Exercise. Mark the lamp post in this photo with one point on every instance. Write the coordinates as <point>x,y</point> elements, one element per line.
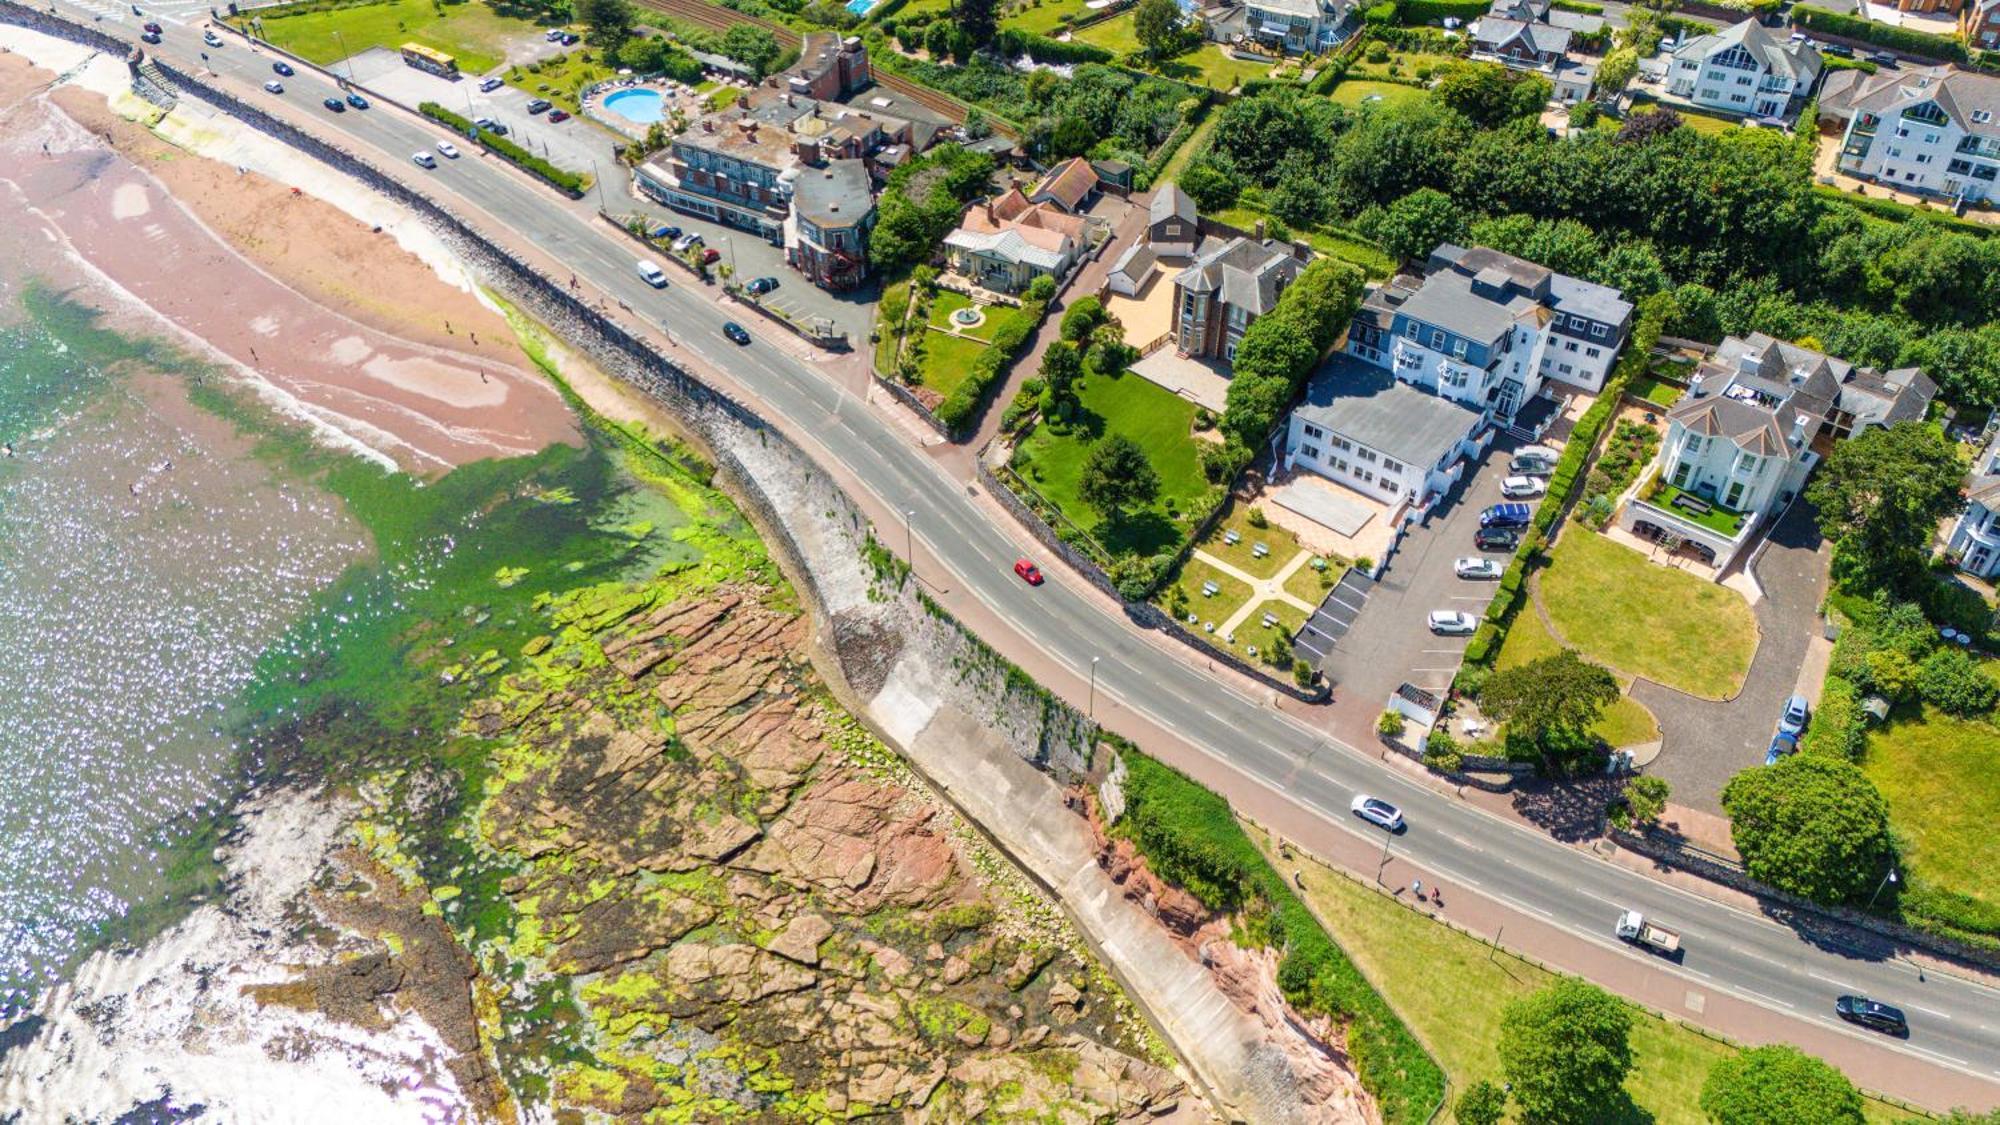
<point>1886,880</point>
<point>598,177</point>
<point>1091,710</point>
<point>1384,862</point>
<point>343,53</point>
<point>910,540</point>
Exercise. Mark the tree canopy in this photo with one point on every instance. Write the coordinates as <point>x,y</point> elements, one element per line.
<point>1549,706</point>
<point>1779,1085</point>
<point>1157,25</point>
<point>1117,477</point>
<point>1565,1051</point>
<point>1881,494</point>
<point>1414,225</point>
<point>605,22</point>
<point>1812,825</point>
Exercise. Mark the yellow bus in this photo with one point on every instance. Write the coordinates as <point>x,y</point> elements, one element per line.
<point>424,58</point>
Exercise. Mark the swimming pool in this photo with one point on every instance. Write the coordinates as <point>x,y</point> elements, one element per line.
<point>860,7</point>
<point>641,107</point>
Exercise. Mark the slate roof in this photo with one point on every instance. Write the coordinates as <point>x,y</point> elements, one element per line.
<point>1136,262</point>
<point>1543,39</point>
<point>1963,96</point>
<point>1367,405</point>
<point>1542,11</point>
<point>1170,202</point>
<point>1794,60</point>
<point>837,195</point>
<point>1752,389</point>
<point>1246,273</point>
<point>1067,183</point>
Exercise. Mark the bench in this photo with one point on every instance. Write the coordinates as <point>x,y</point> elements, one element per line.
<point>1232,537</point>
<point>1259,550</point>
<point>1693,505</point>
<point>1209,589</point>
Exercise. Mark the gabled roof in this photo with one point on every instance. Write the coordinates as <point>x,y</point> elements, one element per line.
<point>1793,60</point>
<point>1753,390</point>
<point>1067,183</point>
<point>1013,245</point>
<point>1170,202</point>
<point>1481,293</point>
<point>1016,229</point>
<point>1135,263</point>
<point>1964,96</point>
<point>1495,34</point>
<point>1245,273</point>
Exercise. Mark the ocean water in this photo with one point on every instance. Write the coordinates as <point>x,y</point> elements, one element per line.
<point>146,559</point>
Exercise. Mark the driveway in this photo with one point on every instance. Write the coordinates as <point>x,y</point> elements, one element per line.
<point>1705,742</point>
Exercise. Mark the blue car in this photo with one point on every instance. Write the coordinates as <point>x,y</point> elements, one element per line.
<point>1506,515</point>
<point>357,101</point>
<point>1781,745</point>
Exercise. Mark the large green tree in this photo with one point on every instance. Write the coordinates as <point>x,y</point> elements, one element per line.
<point>1881,494</point>
<point>1491,94</point>
<point>979,21</point>
<point>1117,477</point>
<point>1483,1103</point>
<point>1157,24</point>
<point>1549,706</point>
<point>1779,1085</point>
<point>606,22</point>
<point>1812,825</point>
<point>1414,225</point>
<point>751,45</point>
<point>1565,1052</point>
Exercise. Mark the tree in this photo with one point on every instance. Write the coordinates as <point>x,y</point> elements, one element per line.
<point>1646,797</point>
<point>1490,94</point>
<point>1117,477</point>
<point>1549,706</point>
<point>1642,127</point>
<point>1157,25</point>
<point>1812,825</point>
<point>1483,1103</point>
<point>606,22</point>
<point>1779,1085</point>
<point>1211,187</point>
<point>1880,497</point>
<point>978,21</point>
<point>1414,225</point>
<point>753,46</point>
<point>642,53</point>
<point>1954,683</point>
<point>1081,318</point>
<point>1564,1050</point>
<point>938,40</point>
<point>1062,364</point>
<point>1616,70</point>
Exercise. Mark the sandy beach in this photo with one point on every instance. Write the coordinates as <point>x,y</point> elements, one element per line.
<point>328,319</point>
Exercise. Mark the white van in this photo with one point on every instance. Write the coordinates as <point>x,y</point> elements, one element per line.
<point>653,274</point>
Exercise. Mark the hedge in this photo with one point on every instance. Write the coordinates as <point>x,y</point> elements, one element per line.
<point>1838,727</point>
<point>1868,31</point>
<point>1013,42</point>
<point>1423,12</point>
<point>963,402</point>
<point>1578,6</point>
<point>1191,839</point>
<point>1903,212</point>
<point>507,150</point>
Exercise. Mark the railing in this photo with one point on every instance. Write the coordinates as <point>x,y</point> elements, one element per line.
<point>1156,344</point>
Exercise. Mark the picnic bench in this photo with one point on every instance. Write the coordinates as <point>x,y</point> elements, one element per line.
<point>1692,504</point>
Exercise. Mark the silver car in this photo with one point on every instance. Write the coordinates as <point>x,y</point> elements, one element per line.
<point>1453,622</point>
<point>1472,566</point>
<point>1377,811</point>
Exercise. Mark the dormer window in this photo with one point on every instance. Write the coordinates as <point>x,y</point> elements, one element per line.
<point>1981,117</point>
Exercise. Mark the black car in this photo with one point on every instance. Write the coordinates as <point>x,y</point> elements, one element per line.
<point>762,285</point>
<point>1872,1014</point>
<point>357,101</point>
<point>334,104</point>
<point>151,37</point>
<point>1497,539</point>
<point>735,332</point>
<point>537,106</point>
<point>283,68</point>
<point>1882,58</point>
<point>569,39</point>
<point>1840,50</point>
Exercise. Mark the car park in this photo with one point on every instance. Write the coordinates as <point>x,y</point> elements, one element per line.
<point>1472,566</point>
<point>1452,622</point>
<point>274,87</point>
<point>1376,811</point>
<point>425,160</point>
<point>735,332</point>
<point>666,232</point>
<point>283,68</point>
<point>1496,539</point>
<point>448,150</point>
<point>334,104</point>
<point>537,106</point>
<point>1522,488</point>
<point>1797,711</point>
<point>1506,515</point>
<point>489,85</point>
<point>1029,572</point>
<point>357,101</point>
<point>1872,1014</point>
<point>209,38</point>
<point>558,115</point>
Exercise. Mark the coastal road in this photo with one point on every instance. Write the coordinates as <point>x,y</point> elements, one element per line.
<point>1262,754</point>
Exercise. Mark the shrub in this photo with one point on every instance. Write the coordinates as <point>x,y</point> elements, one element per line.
<point>1391,724</point>
<point>1041,289</point>
<point>507,150</point>
<point>1478,650</point>
<point>1838,727</point>
<point>1303,673</point>
<point>1954,683</point>
<point>1886,35</point>
<point>1443,753</point>
<point>1082,318</point>
<point>1256,518</point>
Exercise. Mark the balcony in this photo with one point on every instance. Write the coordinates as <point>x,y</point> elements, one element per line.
<point>1683,506</point>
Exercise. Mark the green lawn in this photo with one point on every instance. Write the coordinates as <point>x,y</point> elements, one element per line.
<point>1371,259</point>
<point>1114,35</point>
<point>1160,421</point>
<point>1625,723</point>
<point>1648,620</point>
<point>1215,68</point>
<point>1652,390</point>
<point>1937,774</point>
<point>1361,91</point>
<point>1717,518</point>
<point>947,360</point>
<point>1311,585</point>
<point>1043,17</point>
<point>1253,631</point>
<point>560,79</point>
<point>1229,596</point>
<point>1450,989</point>
<point>474,34</point>
<point>1190,148</point>
<point>1283,544</point>
<point>1407,65</point>
<point>997,316</point>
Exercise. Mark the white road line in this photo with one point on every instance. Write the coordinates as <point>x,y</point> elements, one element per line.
<point>1518,905</point>
<point>1766,999</point>
<point>1699,973</point>
<point>1827,979</point>
<point>1940,1056</point>
<point>1928,1011</point>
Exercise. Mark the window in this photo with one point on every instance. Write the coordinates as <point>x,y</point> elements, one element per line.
<point>1570,344</point>
<point>1564,368</point>
<point>1309,452</point>
<point>1367,455</point>
<point>1313,431</point>
<point>1681,474</point>
<point>1437,339</point>
<point>1735,496</point>
<point>1593,352</point>
<point>1365,475</point>
<point>1740,99</point>
<point>1340,443</point>
<point>1923,158</point>
<point>1930,138</point>
<point>1389,466</point>
<point>1598,330</point>
<point>1980,116</point>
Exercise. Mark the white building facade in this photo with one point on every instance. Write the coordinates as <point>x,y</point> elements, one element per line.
<point>1744,69</point>
<point>1934,130</point>
<point>1975,539</point>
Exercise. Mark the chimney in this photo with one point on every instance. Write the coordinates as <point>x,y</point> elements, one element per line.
<point>1259,230</point>
<point>1302,250</point>
<point>989,211</point>
<point>1749,362</point>
<point>1695,388</point>
<point>1799,423</point>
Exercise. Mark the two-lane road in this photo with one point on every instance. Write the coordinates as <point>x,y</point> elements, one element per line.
<point>1955,1022</point>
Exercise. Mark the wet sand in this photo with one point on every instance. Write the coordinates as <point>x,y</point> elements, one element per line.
<point>338,323</point>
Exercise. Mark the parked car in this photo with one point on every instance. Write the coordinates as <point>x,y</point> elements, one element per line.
<point>666,232</point>
<point>555,35</point>
<point>150,37</point>
<point>537,106</point>
<point>1840,49</point>
<point>735,333</point>
<point>1452,622</point>
<point>209,37</point>
<point>1782,745</point>
<point>1796,713</point>
<point>569,39</point>
<point>334,104</point>
<point>684,242</point>
<point>1524,465</point>
<point>490,126</point>
<point>1496,539</point>
<point>1522,487</point>
<point>283,68</point>
<point>492,84</point>
<point>1472,566</point>
<point>1506,515</point>
<point>558,115</point>
<point>274,87</point>
<point>156,29</point>
<point>1376,811</point>
<point>1882,58</point>
<point>1872,1014</point>
<point>447,149</point>
<point>710,256</point>
<point>425,159</point>
<point>1029,572</point>
<point>762,285</point>
<point>357,101</point>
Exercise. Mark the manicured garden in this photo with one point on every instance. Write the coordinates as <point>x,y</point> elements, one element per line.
<point>1371,259</point>
<point>1043,17</point>
<point>1658,392</point>
<point>1624,723</point>
<point>1357,92</point>
<point>563,78</point>
<point>1450,989</point>
<point>475,34</point>
<point>1185,596</point>
<point>929,350</point>
<point>1936,772</point>
<point>1715,517</point>
<point>1642,619</point>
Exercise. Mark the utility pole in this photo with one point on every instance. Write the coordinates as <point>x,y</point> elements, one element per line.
<point>910,540</point>
<point>1091,711</point>
<point>338,38</point>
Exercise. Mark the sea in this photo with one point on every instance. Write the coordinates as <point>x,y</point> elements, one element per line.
<point>147,556</point>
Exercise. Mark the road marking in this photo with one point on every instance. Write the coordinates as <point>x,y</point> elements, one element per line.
<point>1827,979</point>
<point>1766,999</point>
<point>1699,973</point>
<point>1444,651</point>
<point>1941,1056</point>
<point>1928,1011</point>
<point>1519,905</point>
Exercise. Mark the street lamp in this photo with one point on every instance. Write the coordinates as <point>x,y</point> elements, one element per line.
<point>599,177</point>
<point>1886,880</point>
<point>910,540</point>
<point>1091,711</point>
<point>350,58</point>
<point>1386,837</point>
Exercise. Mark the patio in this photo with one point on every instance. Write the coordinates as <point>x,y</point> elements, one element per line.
<point>1148,317</point>
<point>1203,382</point>
<point>1328,518</point>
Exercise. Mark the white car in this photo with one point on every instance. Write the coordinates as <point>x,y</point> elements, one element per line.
<point>274,87</point>
<point>425,160</point>
<point>1452,622</point>
<point>1472,566</point>
<point>210,38</point>
<point>686,242</point>
<point>448,150</point>
<point>1377,811</point>
<point>1521,488</point>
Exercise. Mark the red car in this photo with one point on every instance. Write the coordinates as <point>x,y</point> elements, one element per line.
<point>558,115</point>
<point>711,255</point>
<point>1028,572</point>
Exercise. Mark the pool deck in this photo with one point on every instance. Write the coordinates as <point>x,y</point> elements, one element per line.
<point>674,97</point>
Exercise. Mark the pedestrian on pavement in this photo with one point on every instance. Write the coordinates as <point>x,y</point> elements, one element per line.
<point>1417,885</point>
